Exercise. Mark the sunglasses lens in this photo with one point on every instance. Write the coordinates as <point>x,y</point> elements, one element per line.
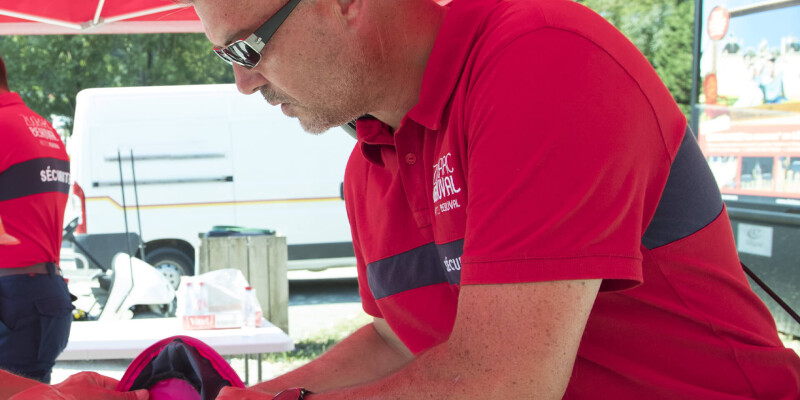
<point>239,52</point>
<point>222,55</point>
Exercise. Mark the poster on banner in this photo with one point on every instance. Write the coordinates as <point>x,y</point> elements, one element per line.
<point>749,100</point>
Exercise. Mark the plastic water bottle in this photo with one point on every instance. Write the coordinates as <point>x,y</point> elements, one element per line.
<point>187,300</point>
<point>202,299</point>
<point>249,309</point>
<point>257,312</point>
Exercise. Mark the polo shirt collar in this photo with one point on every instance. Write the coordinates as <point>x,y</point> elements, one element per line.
<point>372,134</point>
<point>450,51</point>
<point>10,98</point>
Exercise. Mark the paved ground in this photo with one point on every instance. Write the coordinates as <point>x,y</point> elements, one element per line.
<point>317,301</point>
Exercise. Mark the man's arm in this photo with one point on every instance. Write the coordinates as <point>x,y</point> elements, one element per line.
<point>509,341</point>
<point>371,353</point>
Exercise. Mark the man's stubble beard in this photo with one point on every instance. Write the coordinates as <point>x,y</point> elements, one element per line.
<point>342,98</point>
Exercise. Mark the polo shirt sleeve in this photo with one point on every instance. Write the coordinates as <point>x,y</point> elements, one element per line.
<point>368,302</point>
<point>565,164</point>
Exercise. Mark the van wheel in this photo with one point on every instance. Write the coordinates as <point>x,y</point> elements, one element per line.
<point>171,263</point>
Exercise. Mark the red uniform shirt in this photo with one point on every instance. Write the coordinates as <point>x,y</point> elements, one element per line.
<point>545,147</point>
<point>34,182</point>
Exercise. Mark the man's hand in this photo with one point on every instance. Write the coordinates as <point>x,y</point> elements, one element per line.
<point>81,386</point>
<point>232,393</point>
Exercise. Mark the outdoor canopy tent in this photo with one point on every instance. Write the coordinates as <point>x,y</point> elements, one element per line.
<point>73,17</point>
<point>60,17</point>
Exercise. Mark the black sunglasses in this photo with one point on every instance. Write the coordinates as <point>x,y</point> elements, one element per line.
<point>247,52</point>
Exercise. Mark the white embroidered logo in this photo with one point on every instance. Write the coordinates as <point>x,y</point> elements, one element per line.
<point>40,128</point>
<point>443,185</point>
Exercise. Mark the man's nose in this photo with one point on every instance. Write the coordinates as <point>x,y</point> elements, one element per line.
<point>248,80</point>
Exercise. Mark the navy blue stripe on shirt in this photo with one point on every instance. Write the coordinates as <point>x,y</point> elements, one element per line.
<point>691,198</point>
<point>426,265</point>
<point>450,257</point>
<point>39,175</point>
<point>409,270</point>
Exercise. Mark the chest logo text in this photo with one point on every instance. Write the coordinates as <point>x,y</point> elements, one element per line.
<point>443,185</point>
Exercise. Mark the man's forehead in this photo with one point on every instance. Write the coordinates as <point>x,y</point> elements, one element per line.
<point>225,21</point>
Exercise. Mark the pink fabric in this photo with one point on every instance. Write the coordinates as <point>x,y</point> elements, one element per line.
<point>139,363</point>
<point>173,389</point>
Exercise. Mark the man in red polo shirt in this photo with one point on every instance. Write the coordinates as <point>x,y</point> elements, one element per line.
<point>531,215</point>
<point>35,306</point>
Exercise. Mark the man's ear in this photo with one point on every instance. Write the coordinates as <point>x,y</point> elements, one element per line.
<point>350,10</point>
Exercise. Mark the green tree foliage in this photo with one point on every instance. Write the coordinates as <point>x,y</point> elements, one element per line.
<point>49,71</point>
<point>663,31</point>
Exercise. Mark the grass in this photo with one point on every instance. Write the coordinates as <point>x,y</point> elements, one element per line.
<point>315,344</point>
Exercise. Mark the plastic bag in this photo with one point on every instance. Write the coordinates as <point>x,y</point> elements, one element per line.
<point>224,295</point>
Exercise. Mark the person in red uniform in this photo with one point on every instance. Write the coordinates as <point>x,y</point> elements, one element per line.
<point>531,215</point>
<point>35,306</point>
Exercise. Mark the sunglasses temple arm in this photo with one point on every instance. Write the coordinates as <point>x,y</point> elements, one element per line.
<point>269,29</point>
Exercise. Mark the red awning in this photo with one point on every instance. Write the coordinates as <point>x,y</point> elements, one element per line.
<point>50,17</point>
<point>73,17</point>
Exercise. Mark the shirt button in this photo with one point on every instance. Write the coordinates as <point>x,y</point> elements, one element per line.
<point>411,158</point>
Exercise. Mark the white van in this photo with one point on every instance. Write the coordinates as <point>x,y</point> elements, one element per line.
<point>204,156</point>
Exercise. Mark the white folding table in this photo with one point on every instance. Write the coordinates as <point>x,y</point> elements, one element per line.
<point>104,340</point>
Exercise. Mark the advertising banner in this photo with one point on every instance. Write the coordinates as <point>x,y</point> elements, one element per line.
<point>749,100</point>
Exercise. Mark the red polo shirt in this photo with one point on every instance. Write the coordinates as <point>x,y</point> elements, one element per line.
<point>545,147</point>
<point>34,182</point>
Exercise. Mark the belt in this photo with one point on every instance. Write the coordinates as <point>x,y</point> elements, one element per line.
<point>40,268</point>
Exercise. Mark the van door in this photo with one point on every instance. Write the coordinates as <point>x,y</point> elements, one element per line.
<point>181,155</point>
<point>289,181</point>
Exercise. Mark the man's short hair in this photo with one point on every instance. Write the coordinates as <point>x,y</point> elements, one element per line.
<point>3,77</point>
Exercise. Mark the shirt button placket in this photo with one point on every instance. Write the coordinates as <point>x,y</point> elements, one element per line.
<point>408,142</point>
